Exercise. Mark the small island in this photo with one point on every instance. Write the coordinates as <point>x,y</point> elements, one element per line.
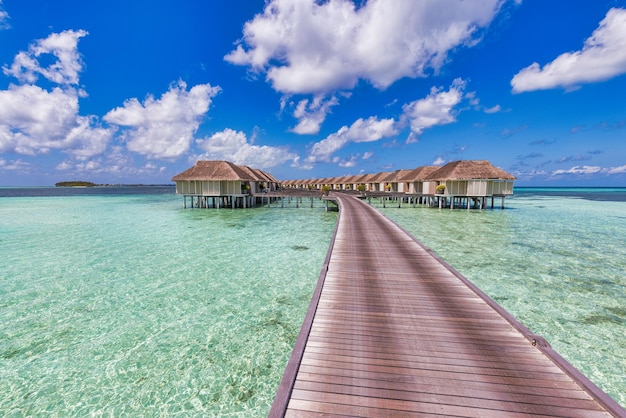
<point>75,184</point>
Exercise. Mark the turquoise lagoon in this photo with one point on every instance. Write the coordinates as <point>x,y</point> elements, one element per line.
<point>128,305</point>
<point>118,302</point>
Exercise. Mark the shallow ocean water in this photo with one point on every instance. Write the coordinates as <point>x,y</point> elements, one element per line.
<point>126,304</point>
<point>129,305</point>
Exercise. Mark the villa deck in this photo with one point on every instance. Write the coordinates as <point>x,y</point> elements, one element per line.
<point>392,330</point>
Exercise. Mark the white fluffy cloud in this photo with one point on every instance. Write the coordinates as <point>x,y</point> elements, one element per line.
<point>34,120</point>
<point>494,109</point>
<point>585,169</point>
<point>312,113</point>
<point>4,16</point>
<point>234,146</point>
<point>164,127</point>
<point>438,108</point>
<point>116,163</point>
<point>617,170</point>
<point>64,70</point>
<point>602,57</point>
<point>362,130</point>
<point>312,47</point>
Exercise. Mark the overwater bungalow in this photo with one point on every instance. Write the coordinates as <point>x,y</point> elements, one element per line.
<point>357,180</point>
<point>393,182</point>
<point>376,183</point>
<point>415,180</point>
<point>221,184</point>
<point>470,181</point>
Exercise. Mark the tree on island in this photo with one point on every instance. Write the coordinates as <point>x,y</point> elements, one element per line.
<point>75,184</point>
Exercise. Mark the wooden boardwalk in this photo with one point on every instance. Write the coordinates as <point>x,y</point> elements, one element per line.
<point>393,331</point>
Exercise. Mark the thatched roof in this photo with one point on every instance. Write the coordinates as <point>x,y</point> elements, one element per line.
<point>368,178</point>
<point>420,173</point>
<point>359,178</point>
<point>215,171</point>
<point>259,175</point>
<point>396,176</point>
<point>379,177</point>
<point>469,170</point>
<point>270,178</point>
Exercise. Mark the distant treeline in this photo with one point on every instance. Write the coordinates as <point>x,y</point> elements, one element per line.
<point>90,184</point>
<point>75,184</point>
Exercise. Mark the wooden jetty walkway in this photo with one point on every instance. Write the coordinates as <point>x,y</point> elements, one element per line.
<point>393,331</point>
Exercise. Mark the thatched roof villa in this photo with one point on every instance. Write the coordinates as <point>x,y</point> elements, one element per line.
<point>416,180</point>
<point>222,183</point>
<point>472,179</point>
<point>464,183</point>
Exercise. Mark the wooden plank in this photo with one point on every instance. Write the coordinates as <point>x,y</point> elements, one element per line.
<point>395,331</point>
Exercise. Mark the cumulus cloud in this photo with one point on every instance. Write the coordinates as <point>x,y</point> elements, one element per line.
<point>312,113</point>
<point>602,57</point>
<point>438,108</point>
<point>116,163</point>
<point>15,165</point>
<point>164,127</point>
<point>617,170</point>
<point>312,47</point>
<point>233,146</point>
<point>579,170</point>
<point>362,130</point>
<point>65,69</point>
<point>34,120</point>
<point>4,17</point>
<point>494,109</point>
<point>317,48</point>
<point>588,170</point>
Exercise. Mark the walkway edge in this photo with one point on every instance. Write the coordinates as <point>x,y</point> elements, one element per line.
<point>284,393</point>
<point>281,400</point>
<point>544,346</point>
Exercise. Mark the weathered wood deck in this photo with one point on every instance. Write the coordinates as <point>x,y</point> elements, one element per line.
<point>392,330</point>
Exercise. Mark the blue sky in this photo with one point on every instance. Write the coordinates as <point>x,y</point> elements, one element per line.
<point>138,91</point>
